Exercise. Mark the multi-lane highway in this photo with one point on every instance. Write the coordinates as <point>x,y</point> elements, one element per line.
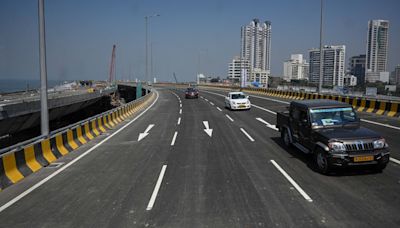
<point>193,163</point>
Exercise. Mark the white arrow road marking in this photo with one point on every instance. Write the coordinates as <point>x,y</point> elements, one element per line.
<point>247,134</point>
<point>268,124</point>
<point>145,133</point>
<point>207,130</point>
<point>229,117</point>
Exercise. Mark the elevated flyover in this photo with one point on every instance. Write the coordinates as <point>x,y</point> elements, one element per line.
<point>193,163</point>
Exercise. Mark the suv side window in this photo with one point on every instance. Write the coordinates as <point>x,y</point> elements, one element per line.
<point>295,113</point>
<point>303,115</point>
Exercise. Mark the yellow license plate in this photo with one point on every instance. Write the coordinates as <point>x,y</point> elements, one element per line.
<point>242,106</point>
<point>363,158</point>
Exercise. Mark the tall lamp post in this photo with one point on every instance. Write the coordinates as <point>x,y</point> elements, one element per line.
<point>321,53</point>
<point>44,112</point>
<point>146,20</point>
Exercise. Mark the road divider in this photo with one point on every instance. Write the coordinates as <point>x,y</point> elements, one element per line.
<point>28,157</point>
<point>285,102</point>
<point>380,107</point>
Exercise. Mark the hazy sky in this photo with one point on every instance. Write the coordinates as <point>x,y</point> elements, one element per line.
<point>187,36</point>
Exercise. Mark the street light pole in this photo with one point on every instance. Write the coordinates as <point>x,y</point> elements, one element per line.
<point>146,21</point>
<point>321,53</point>
<point>44,112</point>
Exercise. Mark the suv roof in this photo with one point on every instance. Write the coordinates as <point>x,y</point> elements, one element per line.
<point>320,103</point>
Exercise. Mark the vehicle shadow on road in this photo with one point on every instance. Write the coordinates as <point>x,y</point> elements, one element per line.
<point>309,160</point>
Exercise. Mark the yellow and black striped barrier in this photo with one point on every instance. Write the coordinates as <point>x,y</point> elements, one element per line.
<point>19,163</point>
<point>379,107</point>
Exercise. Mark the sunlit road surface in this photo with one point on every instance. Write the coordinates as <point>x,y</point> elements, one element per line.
<point>193,163</point>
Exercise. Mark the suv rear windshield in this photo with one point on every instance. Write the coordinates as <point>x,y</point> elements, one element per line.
<point>332,116</point>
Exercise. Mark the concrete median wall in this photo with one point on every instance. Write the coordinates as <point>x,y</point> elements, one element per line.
<point>26,159</point>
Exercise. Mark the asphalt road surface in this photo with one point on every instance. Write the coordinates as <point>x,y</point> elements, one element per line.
<point>198,164</point>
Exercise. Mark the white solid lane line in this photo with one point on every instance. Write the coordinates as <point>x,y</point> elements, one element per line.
<point>295,185</point>
<point>174,138</point>
<point>229,117</point>
<point>264,109</point>
<point>247,134</point>
<point>219,109</point>
<point>156,188</point>
<point>179,120</point>
<point>380,124</point>
<point>268,124</point>
<point>26,192</point>
<point>395,160</point>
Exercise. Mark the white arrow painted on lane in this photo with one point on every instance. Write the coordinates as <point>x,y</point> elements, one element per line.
<point>145,133</point>
<point>207,130</point>
<point>266,123</point>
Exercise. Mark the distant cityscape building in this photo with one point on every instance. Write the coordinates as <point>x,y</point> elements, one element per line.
<point>396,75</point>
<point>377,49</point>
<point>296,68</point>
<point>357,67</point>
<point>235,68</point>
<point>256,49</point>
<point>350,80</point>
<point>333,67</point>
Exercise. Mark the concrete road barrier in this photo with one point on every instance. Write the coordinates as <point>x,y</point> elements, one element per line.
<point>20,162</point>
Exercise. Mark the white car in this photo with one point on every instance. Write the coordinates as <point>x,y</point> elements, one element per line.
<point>237,100</point>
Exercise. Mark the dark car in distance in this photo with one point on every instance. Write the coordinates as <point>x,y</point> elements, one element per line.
<point>331,131</point>
<point>191,93</point>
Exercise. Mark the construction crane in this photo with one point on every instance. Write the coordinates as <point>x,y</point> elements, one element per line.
<point>111,76</point>
<point>176,80</point>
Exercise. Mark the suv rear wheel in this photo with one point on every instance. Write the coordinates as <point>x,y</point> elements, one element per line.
<point>285,137</point>
<point>321,161</point>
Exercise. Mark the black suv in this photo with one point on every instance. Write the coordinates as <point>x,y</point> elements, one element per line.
<point>331,131</point>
